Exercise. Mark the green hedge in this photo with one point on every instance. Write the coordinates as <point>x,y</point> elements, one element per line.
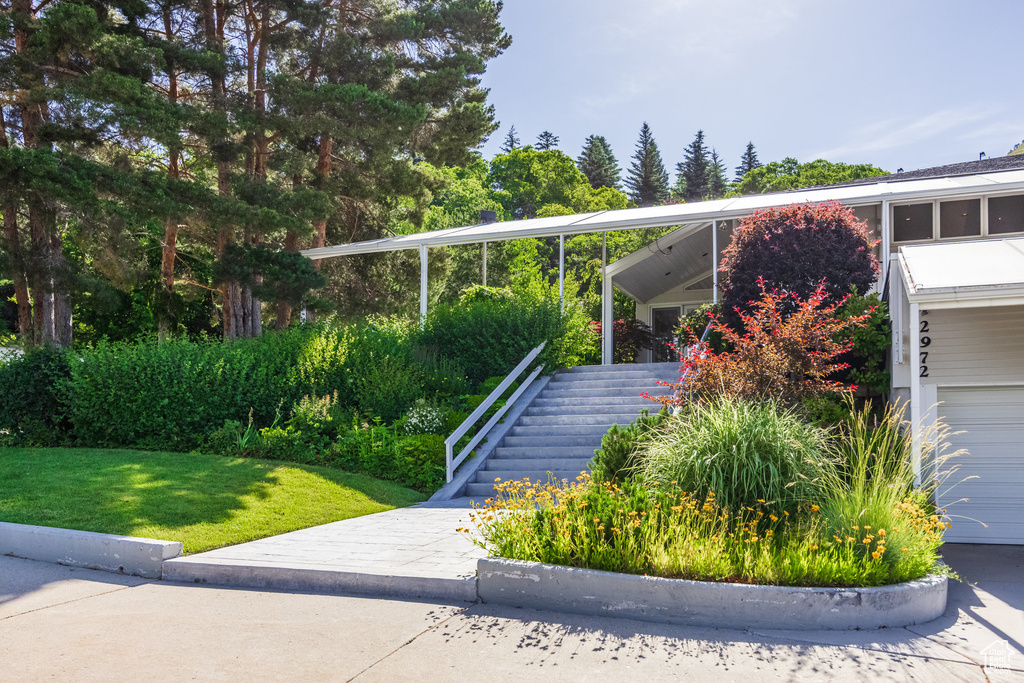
<point>489,330</point>
<point>32,405</point>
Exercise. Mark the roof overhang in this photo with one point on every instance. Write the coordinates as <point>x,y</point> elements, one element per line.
<point>683,214</point>
<point>964,274</point>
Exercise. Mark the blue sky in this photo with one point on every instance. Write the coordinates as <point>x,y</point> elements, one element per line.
<point>897,83</point>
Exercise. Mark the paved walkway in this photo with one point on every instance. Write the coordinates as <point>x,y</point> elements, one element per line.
<point>411,552</point>
<point>60,623</point>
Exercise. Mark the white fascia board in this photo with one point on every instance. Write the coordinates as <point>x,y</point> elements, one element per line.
<point>970,297</point>
<point>679,214</point>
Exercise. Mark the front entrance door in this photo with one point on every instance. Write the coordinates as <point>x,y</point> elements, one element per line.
<point>664,322</point>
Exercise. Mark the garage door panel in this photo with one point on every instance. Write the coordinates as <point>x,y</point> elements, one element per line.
<point>992,422</point>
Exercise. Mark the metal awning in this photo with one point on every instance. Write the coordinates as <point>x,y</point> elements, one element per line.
<point>680,214</point>
<point>964,274</point>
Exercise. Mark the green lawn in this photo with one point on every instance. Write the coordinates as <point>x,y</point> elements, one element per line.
<point>204,501</point>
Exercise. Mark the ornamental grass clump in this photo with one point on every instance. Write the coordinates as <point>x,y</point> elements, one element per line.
<point>743,452</point>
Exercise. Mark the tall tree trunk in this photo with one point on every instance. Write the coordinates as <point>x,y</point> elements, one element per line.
<point>169,251</point>
<point>323,172</point>
<point>17,274</point>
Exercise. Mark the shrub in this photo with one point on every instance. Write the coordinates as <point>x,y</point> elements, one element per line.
<point>741,452</point>
<point>795,249</point>
<point>783,359</point>
<point>617,456</point>
<point>322,415</point>
<point>33,407</point>
<point>870,342</point>
<point>422,460</point>
<point>424,418</point>
<point>489,331</point>
<point>629,337</point>
<point>694,323</point>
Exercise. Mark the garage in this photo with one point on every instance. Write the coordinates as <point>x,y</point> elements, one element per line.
<point>988,486</point>
<point>962,312</point>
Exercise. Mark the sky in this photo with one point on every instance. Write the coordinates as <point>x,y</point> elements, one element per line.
<point>896,83</point>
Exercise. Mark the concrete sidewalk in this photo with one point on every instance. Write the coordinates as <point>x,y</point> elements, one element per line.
<point>66,623</point>
<point>413,552</point>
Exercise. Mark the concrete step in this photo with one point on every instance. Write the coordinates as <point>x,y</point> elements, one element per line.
<point>605,421</point>
<point>563,377</point>
<point>535,475</point>
<point>627,367</point>
<point>513,465</point>
<point>571,392</point>
<point>639,384</point>
<point>627,402</point>
<point>588,409</point>
<point>560,430</point>
<point>518,453</point>
<point>547,441</point>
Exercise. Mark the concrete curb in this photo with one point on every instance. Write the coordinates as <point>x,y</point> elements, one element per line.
<point>237,574</point>
<point>122,554</point>
<point>699,603</point>
<point>471,466</point>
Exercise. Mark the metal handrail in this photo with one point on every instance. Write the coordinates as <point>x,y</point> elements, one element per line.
<point>449,444</point>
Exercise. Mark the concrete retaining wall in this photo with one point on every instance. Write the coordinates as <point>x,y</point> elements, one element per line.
<point>123,554</point>
<point>698,603</point>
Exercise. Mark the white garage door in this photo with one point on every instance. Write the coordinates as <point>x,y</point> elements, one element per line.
<point>992,419</point>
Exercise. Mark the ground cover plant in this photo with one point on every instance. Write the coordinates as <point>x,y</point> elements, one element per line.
<point>859,522</point>
<point>204,501</point>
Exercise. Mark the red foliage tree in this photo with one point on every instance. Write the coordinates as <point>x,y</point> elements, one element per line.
<point>782,357</point>
<point>795,249</point>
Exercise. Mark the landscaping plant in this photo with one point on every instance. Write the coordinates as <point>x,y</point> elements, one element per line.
<point>617,456</point>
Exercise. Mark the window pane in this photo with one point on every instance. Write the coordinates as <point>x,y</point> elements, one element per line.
<point>912,222</point>
<point>1005,214</point>
<point>960,219</point>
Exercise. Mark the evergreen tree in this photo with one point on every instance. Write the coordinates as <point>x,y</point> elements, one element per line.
<point>598,163</point>
<point>692,171</point>
<point>717,182</point>
<point>511,141</point>
<point>748,162</point>
<point>647,181</point>
<point>546,140</point>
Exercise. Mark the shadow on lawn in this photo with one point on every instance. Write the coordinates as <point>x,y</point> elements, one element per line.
<point>116,491</point>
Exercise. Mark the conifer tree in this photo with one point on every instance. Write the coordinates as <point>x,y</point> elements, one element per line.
<point>546,140</point>
<point>692,171</point>
<point>647,181</point>
<point>717,181</point>
<point>748,162</point>
<point>511,141</point>
<point>598,163</point>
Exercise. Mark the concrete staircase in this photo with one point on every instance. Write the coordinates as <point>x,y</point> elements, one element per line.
<point>563,426</point>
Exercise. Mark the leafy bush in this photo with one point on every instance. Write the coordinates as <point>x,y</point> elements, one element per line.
<point>33,407</point>
<point>424,418</point>
<point>629,337</point>
<point>786,359</point>
<point>694,323</point>
<point>795,249</point>
<point>322,415</point>
<point>871,342</point>
<point>422,461</point>
<point>490,330</point>
<point>741,452</point>
<point>617,456</point>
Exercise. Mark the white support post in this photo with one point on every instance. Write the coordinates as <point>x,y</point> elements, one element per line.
<point>915,389</point>
<point>886,246</point>
<point>485,264</point>
<point>606,305</point>
<point>561,271</point>
<point>714,262</point>
<point>423,283</point>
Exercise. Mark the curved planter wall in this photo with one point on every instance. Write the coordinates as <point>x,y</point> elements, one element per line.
<point>700,603</point>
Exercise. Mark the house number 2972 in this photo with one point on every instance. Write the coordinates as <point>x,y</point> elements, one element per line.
<point>926,341</point>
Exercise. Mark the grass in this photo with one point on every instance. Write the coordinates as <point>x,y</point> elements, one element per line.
<point>204,501</point>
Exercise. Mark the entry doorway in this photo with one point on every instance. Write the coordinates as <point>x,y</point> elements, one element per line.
<point>664,323</point>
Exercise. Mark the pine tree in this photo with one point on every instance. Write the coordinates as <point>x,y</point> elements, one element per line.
<point>692,171</point>
<point>511,141</point>
<point>598,163</point>
<point>717,181</point>
<point>748,162</point>
<point>647,181</point>
<point>546,140</point>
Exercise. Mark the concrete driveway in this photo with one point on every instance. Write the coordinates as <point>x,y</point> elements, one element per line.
<point>63,623</point>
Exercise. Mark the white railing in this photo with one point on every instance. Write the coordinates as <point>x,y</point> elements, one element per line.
<point>451,462</point>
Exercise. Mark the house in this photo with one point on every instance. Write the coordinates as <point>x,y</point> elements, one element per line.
<point>951,245</point>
